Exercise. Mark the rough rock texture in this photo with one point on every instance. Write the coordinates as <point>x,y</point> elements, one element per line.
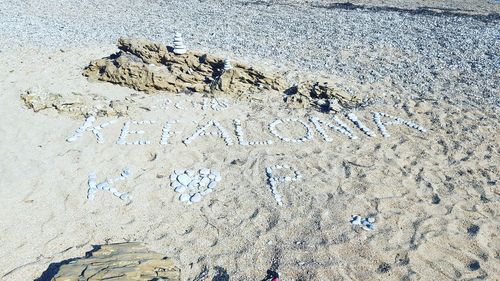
<point>74,104</point>
<point>123,261</point>
<point>147,66</point>
<point>321,95</point>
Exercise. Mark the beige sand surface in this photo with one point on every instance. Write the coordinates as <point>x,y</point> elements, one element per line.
<point>45,216</point>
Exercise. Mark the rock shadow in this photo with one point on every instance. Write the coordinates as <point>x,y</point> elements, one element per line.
<point>426,11</point>
<point>54,267</point>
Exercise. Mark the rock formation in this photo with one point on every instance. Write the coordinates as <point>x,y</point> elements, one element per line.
<point>123,261</point>
<point>321,95</point>
<point>147,66</point>
<point>73,104</point>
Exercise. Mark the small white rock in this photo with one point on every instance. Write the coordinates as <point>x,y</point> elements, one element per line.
<point>184,197</point>
<point>196,198</point>
<point>180,189</point>
<point>212,184</point>
<point>184,179</point>
<point>175,184</point>
<point>204,181</point>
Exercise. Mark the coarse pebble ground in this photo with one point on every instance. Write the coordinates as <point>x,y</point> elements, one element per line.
<point>418,54</point>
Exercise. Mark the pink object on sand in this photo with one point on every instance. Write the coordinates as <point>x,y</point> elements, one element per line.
<point>275,279</point>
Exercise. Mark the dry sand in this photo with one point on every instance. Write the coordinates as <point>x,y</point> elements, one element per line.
<point>427,191</point>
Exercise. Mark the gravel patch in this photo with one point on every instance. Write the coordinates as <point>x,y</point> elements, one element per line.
<point>416,54</point>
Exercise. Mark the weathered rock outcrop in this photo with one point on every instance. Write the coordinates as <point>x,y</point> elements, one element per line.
<point>74,104</point>
<point>147,66</point>
<point>123,261</point>
<point>321,95</point>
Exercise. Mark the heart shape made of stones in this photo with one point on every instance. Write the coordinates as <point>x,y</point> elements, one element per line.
<point>194,185</point>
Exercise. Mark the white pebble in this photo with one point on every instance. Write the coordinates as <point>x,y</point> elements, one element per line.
<point>196,198</point>
<point>184,197</point>
<point>184,179</point>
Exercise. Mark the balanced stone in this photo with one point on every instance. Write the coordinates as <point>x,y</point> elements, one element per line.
<point>179,47</point>
<point>227,64</point>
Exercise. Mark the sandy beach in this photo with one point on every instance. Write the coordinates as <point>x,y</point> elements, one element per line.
<point>432,189</point>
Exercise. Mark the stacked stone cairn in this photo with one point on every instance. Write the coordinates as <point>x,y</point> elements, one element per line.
<point>227,64</point>
<point>179,47</point>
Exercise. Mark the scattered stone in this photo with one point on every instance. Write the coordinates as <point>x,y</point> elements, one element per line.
<point>365,223</point>
<point>122,261</point>
<point>215,104</point>
<point>436,199</point>
<point>384,268</point>
<point>473,230</point>
<point>320,95</point>
<point>474,265</point>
